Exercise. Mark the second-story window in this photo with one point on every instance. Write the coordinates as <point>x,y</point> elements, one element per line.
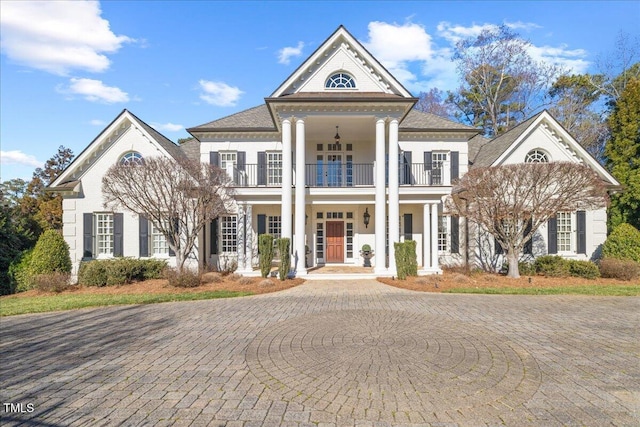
<point>438,159</point>
<point>340,81</point>
<point>228,158</point>
<point>274,167</point>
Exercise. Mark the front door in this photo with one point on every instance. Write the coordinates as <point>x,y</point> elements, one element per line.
<point>335,241</point>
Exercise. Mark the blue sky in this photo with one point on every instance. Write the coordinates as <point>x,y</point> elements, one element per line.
<point>68,68</point>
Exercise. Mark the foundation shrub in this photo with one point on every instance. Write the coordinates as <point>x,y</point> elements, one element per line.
<point>552,266</point>
<point>212,277</point>
<point>406,259</point>
<point>266,283</point>
<point>245,281</point>
<point>584,269</point>
<point>19,272</point>
<point>527,268</point>
<point>622,269</point>
<point>285,260</point>
<point>182,279</point>
<point>119,271</point>
<point>623,243</point>
<point>265,250</point>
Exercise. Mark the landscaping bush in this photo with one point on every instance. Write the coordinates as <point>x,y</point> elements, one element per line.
<point>406,259</point>
<point>623,243</point>
<point>119,271</point>
<point>584,269</point>
<point>552,266</point>
<point>265,250</point>
<point>184,279</point>
<point>526,268</point>
<point>52,282</point>
<point>622,269</point>
<point>285,258</point>
<point>19,272</point>
<point>50,255</point>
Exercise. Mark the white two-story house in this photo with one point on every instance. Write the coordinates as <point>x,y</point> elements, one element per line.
<point>335,158</point>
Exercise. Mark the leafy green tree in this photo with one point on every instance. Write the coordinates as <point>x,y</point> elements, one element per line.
<point>622,154</point>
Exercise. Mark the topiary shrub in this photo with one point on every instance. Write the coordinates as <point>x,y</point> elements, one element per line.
<point>265,250</point>
<point>552,266</point>
<point>285,258</point>
<point>50,255</point>
<point>406,259</point>
<point>622,269</point>
<point>623,243</point>
<point>584,269</point>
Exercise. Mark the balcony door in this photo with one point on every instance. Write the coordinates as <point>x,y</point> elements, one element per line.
<point>335,241</point>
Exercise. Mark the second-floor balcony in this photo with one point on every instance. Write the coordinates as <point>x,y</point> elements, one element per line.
<point>340,175</point>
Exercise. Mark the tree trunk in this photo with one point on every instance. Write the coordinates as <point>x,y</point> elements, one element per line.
<point>514,271</point>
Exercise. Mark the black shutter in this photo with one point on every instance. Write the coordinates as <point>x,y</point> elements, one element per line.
<point>455,235</point>
<point>552,235</point>
<point>118,234</point>
<point>262,224</point>
<point>455,165</point>
<point>214,237</point>
<point>497,247</point>
<point>214,158</point>
<point>405,176</point>
<point>262,168</point>
<point>176,228</point>
<point>428,160</point>
<point>582,232</point>
<point>241,160</point>
<point>408,227</point>
<point>87,235</point>
<point>143,235</point>
<point>528,245</point>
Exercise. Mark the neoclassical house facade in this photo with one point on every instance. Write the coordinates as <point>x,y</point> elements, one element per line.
<point>335,158</point>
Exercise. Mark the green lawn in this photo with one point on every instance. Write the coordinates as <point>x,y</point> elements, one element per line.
<point>599,290</point>
<point>10,306</point>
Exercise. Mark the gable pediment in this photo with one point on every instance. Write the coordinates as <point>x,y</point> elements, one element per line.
<point>341,53</point>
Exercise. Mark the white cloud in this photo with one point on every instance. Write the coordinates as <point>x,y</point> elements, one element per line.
<point>285,54</point>
<point>219,93</point>
<point>167,127</point>
<point>454,33</point>
<point>97,122</point>
<point>58,36</point>
<point>572,60</point>
<point>95,91</point>
<point>17,157</point>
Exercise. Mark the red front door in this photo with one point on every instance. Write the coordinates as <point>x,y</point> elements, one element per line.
<point>335,241</point>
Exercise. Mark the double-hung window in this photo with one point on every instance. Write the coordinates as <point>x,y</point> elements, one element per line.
<point>159,245</point>
<point>274,167</point>
<point>565,231</point>
<point>229,234</point>
<point>104,234</point>
<point>275,226</point>
<point>443,233</point>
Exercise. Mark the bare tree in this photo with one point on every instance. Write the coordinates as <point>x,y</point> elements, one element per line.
<point>502,84</point>
<point>179,197</point>
<point>511,202</point>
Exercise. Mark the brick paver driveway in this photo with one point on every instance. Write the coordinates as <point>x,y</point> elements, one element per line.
<point>349,353</point>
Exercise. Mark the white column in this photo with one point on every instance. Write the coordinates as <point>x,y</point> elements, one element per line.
<point>298,252</point>
<point>380,207</point>
<point>434,236</point>
<point>240,247</point>
<point>426,237</point>
<point>394,195</point>
<point>287,174</point>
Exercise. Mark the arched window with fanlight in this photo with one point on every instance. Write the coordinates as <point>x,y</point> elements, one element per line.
<point>131,158</point>
<point>536,156</point>
<point>340,81</point>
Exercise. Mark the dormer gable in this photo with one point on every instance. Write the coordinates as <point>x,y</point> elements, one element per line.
<point>341,65</point>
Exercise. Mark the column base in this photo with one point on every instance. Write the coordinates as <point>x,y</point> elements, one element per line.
<point>301,273</point>
<point>381,271</point>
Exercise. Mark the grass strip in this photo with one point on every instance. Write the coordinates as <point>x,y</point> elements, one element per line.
<point>597,290</point>
<point>10,306</point>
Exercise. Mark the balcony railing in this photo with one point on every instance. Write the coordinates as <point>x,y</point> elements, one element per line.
<point>339,174</point>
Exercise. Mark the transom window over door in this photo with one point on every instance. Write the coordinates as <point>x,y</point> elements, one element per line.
<point>340,81</point>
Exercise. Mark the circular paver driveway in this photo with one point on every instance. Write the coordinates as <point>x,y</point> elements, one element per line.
<point>348,353</point>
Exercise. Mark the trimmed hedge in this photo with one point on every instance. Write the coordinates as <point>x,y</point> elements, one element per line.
<point>406,259</point>
<point>584,269</point>
<point>119,271</point>
<point>285,258</point>
<point>265,249</point>
<point>623,243</point>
